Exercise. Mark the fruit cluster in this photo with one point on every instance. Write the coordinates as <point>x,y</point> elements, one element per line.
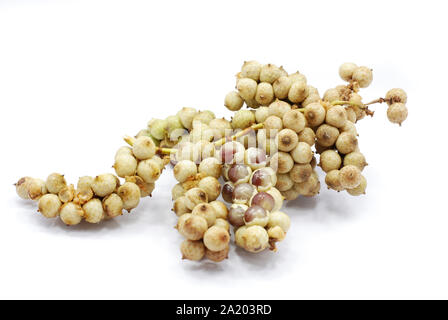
<point>296,119</point>
<point>202,218</point>
<point>103,197</point>
<point>255,201</point>
<point>264,155</point>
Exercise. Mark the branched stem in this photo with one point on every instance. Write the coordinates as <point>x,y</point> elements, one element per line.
<point>362,106</point>
<point>165,150</point>
<point>342,103</point>
<point>379,100</point>
<point>257,126</point>
<point>218,143</point>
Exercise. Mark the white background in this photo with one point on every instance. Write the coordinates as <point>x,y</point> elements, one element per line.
<point>76,77</point>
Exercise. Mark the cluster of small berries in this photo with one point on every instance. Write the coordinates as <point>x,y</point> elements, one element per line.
<point>188,125</point>
<point>297,120</point>
<point>202,218</point>
<point>94,199</point>
<point>102,197</point>
<point>266,154</point>
<point>255,201</point>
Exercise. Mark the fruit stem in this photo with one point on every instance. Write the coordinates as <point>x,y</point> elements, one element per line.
<point>129,140</point>
<point>341,103</point>
<point>379,100</point>
<point>165,150</point>
<point>257,126</point>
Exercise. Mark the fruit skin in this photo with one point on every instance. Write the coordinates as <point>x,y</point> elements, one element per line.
<point>130,194</point>
<point>255,239</point>
<point>251,69</point>
<point>336,116</point>
<point>331,95</point>
<point>298,91</point>
<point>261,114</point>
<point>221,210</point>
<point>203,117</point>
<point>239,173</point>
<point>144,148</point>
<point>217,256</point>
<point>192,227</point>
<point>330,160</point>
<point>206,211</point>
<point>192,250</point>
<point>184,169</point>
<point>55,182</point>
<point>104,184</point>
<point>264,200</point>
<point>236,214</point>
<point>279,108</point>
<point>287,140</point>
<point>281,87</point>
<point>223,223</point>
<point>350,177</point>
<point>309,188</point>
<point>396,95</point>
<point>264,94</point>
<point>346,71</point>
<point>22,187</point>
<point>332,180</point>
<point>363,76</point>
<point>216,238</point>
<point>210,167</point>
<point>294,120</point>
<point>125,165</point>
<point>243,193</point>
<point>243,119</point>
<point>346,142</point>
<point>49,205</point>
<point>113,205</point>
<point>273,125</point>
<point>359,190</point>
<point>211,186</point>
<point>281,219</point>
<point>177,191</point>
<point>256,216</point>
<point>302,153</point>
<point>157,128</point>
<point>180,206</point>
<point>264,178</point>
<point>281,162</point>
<point>397,113</point>
<point>278,198</point>
<point>307,135</point>
<point>71,214</point>
<point>300,172</point>
<point>67,193</point>
<point>221,127</point>
<point>284,182</point>
<point>93,211</point>
<point>84,182</point>
<point>194,197</point>
<point>290,195</point>
<point>327,135</point>
<point>314,114</point>
<point>36,188</point>
<point>355,158</point>
<point>246,88</point>
<point>269,73</point>
<point>186,116</point>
